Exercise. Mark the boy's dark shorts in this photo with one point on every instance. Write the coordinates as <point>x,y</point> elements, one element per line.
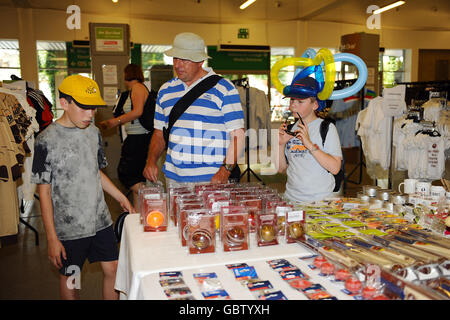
<point>101,247</point>
<point>133,158</point>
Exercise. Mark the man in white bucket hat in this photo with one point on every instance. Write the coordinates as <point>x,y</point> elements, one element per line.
<point>198,119</point>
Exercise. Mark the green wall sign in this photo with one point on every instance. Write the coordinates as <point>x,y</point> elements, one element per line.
<point>136,54</point>
<point>243,33</point>
<point>109,33</point>
<point>238,60</point>
<point>78,57</point>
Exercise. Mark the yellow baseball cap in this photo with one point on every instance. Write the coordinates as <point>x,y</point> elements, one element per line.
<point>83,90</point>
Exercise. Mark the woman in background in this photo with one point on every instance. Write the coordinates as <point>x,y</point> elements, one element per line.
<point>135,146</point>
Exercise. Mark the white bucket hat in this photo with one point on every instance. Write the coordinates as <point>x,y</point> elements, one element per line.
<point>188,46</point>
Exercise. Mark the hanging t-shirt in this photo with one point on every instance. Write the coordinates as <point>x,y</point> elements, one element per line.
<point>70,159</point>
<point>307,180</point>
<point>374,128</point>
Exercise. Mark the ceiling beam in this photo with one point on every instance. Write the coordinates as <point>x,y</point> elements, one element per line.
<point>328,5</point>
<point>21,3</point>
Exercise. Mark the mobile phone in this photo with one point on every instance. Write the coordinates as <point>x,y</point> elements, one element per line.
<point>289,132</point>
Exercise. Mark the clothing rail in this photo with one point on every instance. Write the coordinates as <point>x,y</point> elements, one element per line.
<point>421,90</point>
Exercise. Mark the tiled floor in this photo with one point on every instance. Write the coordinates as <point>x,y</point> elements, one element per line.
<point>26,273</point>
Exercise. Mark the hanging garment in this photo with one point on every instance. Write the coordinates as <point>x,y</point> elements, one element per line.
<point>259,110</point>
<point>9,208</point>
<point>432,109</point>
<point>30,112</point>
<point>374,128</point>
<point>403,128</point>
<point>43,107</point>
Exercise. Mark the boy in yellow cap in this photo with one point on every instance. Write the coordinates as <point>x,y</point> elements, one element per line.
<point>67,164</point>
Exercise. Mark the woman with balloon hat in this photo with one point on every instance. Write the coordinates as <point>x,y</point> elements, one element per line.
<point>310,163</point>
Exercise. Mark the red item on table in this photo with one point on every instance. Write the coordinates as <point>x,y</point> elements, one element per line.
<point>342,274</point>
<point>353,285</point>
<point>318,261</point>
<point>327,268</point>
<point>369,292</point>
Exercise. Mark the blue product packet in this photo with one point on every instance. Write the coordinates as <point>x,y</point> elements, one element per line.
<point>216,294</point>
<point>172,274</point>
<point>292,274</point>
<point>277,295</point>
<point>259,285</point>
<point>245,273</point>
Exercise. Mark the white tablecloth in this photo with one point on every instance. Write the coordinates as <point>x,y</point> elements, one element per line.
<point>144,254</point>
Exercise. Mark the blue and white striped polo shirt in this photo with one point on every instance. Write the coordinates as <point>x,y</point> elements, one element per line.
<point>199,139</point>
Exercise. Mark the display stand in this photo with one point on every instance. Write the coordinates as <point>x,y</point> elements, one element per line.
<point>244,83</point>
<point>417,91</point>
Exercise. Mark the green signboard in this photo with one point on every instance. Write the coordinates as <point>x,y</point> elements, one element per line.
<point>78,57</point>
<point>136,54</point>
<point>243,33</point>
<point>110,39</point>
<point>238,60</point>
<point>109,33</point>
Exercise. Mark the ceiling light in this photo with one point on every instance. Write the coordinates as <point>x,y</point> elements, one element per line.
<point>115,1</point>
<point>246,4</point>
<point>389,7</point>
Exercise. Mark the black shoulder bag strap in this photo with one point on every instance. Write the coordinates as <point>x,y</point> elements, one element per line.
<point>185,101</point>
<point>340,176</point>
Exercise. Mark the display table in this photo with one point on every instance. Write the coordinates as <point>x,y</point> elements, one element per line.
<point>144,254</point>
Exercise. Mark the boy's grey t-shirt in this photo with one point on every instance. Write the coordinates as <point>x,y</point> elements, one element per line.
<point>70,159</point>
<point>307,180</point>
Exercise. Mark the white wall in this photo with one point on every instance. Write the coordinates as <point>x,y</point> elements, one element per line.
<point>29,25</point>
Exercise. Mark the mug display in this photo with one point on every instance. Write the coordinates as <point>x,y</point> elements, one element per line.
<point>423,188</point>
<point>437,191</point>
<point>409,186</point>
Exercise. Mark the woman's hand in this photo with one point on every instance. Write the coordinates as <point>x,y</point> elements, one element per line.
<point>109,124</point>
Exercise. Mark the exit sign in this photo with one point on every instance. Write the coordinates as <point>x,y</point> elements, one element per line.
<point>243,33</point>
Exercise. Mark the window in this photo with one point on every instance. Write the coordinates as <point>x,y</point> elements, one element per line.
<point>52,64</point>
<point>154,55</point>
<point>9,59</point>
<point>278,105</point>
<point>392,65</point>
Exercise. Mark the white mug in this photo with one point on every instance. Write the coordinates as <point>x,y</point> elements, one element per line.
<point>423,188</point>
<point>437,191</point>
<point>410,186</point>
